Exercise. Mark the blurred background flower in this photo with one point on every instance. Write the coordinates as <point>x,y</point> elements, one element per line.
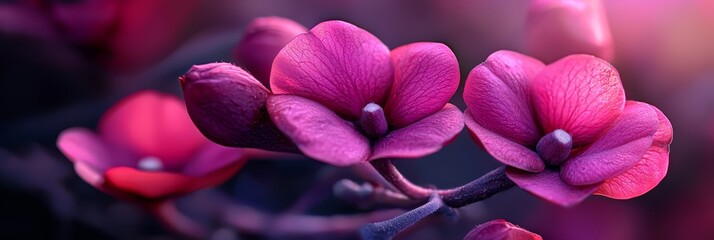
<point>61,66</point>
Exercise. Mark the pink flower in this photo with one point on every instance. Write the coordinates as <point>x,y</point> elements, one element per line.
<point>343,98</point>
<point>557,28</point>
<point>339,96</point>
<point>565,129</point>
<point>262,40</point>
<point>148,148</point>
<point>500,229</point>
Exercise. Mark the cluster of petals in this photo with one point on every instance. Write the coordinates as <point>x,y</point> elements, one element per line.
<point>565,129</point>
<point>147,148</point>
<point>338,94</point>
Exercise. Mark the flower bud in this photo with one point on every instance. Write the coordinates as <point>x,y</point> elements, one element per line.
<point>228,106</point>
<point>262,41</point>
<point>557,28</point>
<point>500,229</point>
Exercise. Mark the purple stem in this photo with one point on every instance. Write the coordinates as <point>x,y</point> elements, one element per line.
<point>249,220</point>
<point>479,189</point>
<point>367,195</point>
<point>393,176</point>
<point>388,228</point>
<point>484,187</point>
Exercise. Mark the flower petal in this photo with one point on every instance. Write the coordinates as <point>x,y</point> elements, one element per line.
<point>212,157</point>
<point>580,94</point>
<point>335,64</point>
<point>423,137</point>
<point>498,96</point>
<point>82,145</point>
<point>619,149</point>
<point>426,75</point>
<point>152,124</point>
<point>90,175</point>
<point>648,172</point>
<point>547,185</point>
<point>262,40</point>
<point>500,229</point>
<point>504,150</point>
<point>317,131</point>
<point>149,185</point>
<point>228,105</point>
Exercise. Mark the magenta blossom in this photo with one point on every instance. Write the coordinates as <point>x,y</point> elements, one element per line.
<point>147,148</point>
<point>338,95</point>
<point>500,229</point>
<point>557,28</point>
<point>565,129</point>
<point>262,40</point>
<point>343,98</point>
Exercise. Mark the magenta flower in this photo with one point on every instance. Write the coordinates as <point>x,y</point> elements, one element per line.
<point>565,129</point>
<point>339,96</point>
<point>500,229</point>
<point>262,41</point>
<point>148,148</point>
<point>557,28</point>
<point>343,98</point>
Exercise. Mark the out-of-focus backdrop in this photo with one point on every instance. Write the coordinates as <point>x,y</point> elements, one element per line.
<point>63,63</point>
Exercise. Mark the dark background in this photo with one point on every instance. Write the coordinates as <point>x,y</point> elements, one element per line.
<point>51,80</point>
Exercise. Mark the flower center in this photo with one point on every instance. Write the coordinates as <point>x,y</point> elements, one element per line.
<point>555,147</point>
<point>373,123</point>
<point>150,163</point>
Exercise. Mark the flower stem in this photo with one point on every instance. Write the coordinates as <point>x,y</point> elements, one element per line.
<point>393,176</point>
<point>367,195</point>
<point>388,228</point>
<point>479,189</point>
<point>249,220</point>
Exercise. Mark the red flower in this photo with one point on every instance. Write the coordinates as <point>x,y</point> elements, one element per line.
<point>148,148</point>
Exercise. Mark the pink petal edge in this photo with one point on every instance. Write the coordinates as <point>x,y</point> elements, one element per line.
<point>648,172</point>
<point>498,95</point>
<point>618,150</point>
<point>336,64</point>
<point>580,94</point>
<point>421,138</point>
<point>81,145</point>
<point>426,76</point>
<point>317,131</point>
<point>548,185</point>
<point>503,149</point>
